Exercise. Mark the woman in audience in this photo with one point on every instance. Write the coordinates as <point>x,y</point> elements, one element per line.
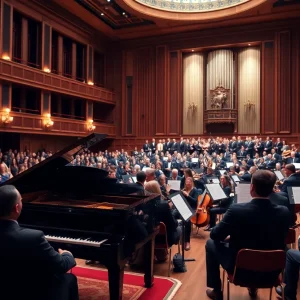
<point>4,172</point>
<point>164,215</point>
<point>224,204</point>
<point>14,167</point>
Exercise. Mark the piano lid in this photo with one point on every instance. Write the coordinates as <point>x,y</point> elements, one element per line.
<point>40,176</point>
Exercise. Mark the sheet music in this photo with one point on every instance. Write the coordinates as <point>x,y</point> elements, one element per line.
<point>195,159</point>
<point>181,206</point>
<point>174,185</point>
<point>165,158</point>
<point>216,191</point>
<point>297,165</point>
<point>213,166</point>
<point>279,175</point>
<point>229,164</point>
<point>235,178</point>
<point>296,194</point>
<point>222,172</point>
<point>243,193</point>
<point>134,179</point>
<point>215,180</point>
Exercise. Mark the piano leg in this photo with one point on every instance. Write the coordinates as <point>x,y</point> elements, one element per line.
<point>115,278</point>
<point>149,260</point>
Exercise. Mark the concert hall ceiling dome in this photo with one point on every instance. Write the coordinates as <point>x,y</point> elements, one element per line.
<point>192,9</point>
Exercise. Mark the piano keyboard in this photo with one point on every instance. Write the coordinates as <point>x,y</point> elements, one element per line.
<point>66,240</point>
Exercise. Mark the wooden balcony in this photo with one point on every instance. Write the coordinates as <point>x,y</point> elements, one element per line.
<point>29,123</point>
<point>22,74</point>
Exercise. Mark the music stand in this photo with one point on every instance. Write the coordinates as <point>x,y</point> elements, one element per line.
<point>215,191</point>
<point>223,172</point>
<point>243,193</point>
<point>294,195</point>
<point>185,212</point>
<point>229,164</point>
<point>279,175</point>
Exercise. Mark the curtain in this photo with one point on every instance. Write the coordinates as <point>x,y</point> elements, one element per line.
<point>193,93</point>
<point>249,90</point>
<point>220,72</point>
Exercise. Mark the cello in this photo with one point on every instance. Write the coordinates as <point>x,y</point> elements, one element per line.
<point>202,217</point>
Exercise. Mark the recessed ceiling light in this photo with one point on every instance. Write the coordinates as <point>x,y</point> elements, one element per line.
<point>193,50</point>
<point>102,14</point>
<point>249,44</point>
<point>124,13</point>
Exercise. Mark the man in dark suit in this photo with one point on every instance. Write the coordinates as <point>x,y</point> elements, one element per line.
<point>30,267</point>
<point>255,225</point>
<point>293,178</point>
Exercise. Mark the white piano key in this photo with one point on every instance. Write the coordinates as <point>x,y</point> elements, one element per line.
<point>68,240</point>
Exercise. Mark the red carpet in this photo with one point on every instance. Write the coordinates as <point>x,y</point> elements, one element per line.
<point>93,284</point>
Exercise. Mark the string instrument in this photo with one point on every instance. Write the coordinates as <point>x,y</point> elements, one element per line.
<point>202,216</point>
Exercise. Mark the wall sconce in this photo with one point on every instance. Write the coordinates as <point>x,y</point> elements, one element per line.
<point>47,70</point>
<point>193,107</point>
<point>90,82</point>
<point>47,121</point>
<point>5,117</point>
<point>5,56</point>
<point>249,104</point>
<point>90,126</point>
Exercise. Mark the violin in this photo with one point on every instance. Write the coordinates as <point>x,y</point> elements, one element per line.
<point>202,216</point>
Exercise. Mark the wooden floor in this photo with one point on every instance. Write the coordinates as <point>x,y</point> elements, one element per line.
<point>194,280</point>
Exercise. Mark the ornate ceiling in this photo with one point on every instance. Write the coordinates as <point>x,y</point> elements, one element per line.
<point>110,13</point>
<point>191,5</point>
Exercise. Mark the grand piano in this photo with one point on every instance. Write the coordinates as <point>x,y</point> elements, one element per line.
<point>82,210</point>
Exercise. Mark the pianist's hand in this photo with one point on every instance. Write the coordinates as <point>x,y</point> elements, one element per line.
<point>60,251</point>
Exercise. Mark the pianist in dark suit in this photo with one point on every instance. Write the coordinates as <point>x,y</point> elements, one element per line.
<point>258,224</point>
<point>30,267</point>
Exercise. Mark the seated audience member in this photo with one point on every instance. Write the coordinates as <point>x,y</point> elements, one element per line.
<point>292,178</point>
<point>291,275</point>
<point>4,172</point>
<point>30,267</point>
<point>256,225</point>
<point>223,205</point>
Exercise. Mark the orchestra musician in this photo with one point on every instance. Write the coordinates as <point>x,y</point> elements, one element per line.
<point>256,225</point>
<point>191,195</point>
<point>224,204</point>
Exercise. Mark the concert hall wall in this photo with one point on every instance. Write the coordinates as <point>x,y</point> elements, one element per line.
<point>156,93</point>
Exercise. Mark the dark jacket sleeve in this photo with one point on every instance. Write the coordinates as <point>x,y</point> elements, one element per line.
<point>228,201</point>
<point>223,229</point>
<point>193,197</point>
<point>168,218</point>
<point>53,261</point>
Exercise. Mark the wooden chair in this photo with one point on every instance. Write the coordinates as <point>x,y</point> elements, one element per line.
<point>257,269</point>
<point>161,243</point>
<point>291,238</point>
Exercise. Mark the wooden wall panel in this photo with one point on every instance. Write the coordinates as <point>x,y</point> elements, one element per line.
<point>268,123</point>
<point>161,90</point>
<point>283,73</point>
<point>144,91</point>
<point>174,109</point>
<point>295,81</point>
